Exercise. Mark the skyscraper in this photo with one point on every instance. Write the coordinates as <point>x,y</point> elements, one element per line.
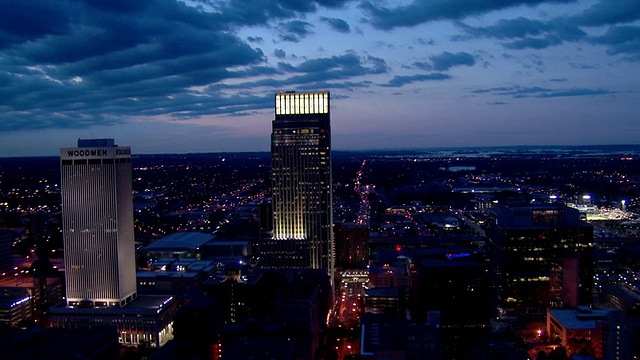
<point>97,222</point>
<point>301,183</point>
<point>541,257</point>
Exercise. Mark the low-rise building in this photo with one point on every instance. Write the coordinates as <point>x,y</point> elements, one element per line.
<point>386,274</point>
<point>178,245</point>
<point>147,319</point>
<point>387,300</point>
<point>174,276</point>
<point>15,306</point>
<point>579,330</point>
<point>399,340</point>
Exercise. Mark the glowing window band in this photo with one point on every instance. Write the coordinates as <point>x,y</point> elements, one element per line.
<point>302,103</point>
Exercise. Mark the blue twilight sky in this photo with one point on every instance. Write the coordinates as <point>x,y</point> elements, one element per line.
<point>168,76</point>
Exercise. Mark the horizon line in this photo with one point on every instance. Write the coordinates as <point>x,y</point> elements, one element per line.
<point>374,150</point>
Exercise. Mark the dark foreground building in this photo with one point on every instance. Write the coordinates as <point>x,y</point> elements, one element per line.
<point>36,343</point>
<point>388,338</point>
<point>255,312</point>
<point>352,246</point>
<point>542,257</point>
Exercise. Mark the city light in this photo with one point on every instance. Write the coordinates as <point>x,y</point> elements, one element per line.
<point>443,250</point>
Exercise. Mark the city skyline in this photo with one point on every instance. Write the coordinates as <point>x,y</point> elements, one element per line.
<point>172,76</point>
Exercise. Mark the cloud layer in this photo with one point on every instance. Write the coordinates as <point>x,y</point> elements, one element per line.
<point>75,64</point>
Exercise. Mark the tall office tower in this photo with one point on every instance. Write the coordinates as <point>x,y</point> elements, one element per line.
<point>301,184</point>
<point>97,224</point>
<point>541,257</point>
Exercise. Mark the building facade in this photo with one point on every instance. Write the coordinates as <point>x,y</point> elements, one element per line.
<point>541,257</point>
<point>97,221</point>
<point>581,330</point>
<point>352,246</point>
<point>6,255</point>
<point>15,306</point>
<point>146,320</point>
<point>301,184</point>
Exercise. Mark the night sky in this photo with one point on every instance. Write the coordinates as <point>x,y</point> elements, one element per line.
<point>167,76</point>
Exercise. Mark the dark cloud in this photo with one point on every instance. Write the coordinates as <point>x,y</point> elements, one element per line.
<point>508,29</point>
<point>337,24</point>
<point>576,92</point>
<point>533,43</point>
<point>185,106</point>
<point>29,20</point>
<point>522,92</point>
<point>255,39</point>
<point>423,65</point>
<point>385,45</point>
<point>70,64</point>
<point>323,73</point>
<point>73,63</point>
<point>255,71</point>
<point>379,66</point>
<point>283,66</point>
<point>621,40</point>
<point>330,3</point>
<point>524,33</point>
<point>610,12</point>
<point>348,61</point>
<point>419,11</point>
<point>118,6</point>
<point>347,65</point>
<point>399,81</point>
<point>583,66</point>
<point>77,63</point>
<point>426,41</point>
<point>260,12</point>
<point>518,92</point>
<point>447,60</point>
<point>295,30</point>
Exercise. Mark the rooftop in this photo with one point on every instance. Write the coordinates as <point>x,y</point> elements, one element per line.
<point>180,241</point>
<point>230,243</point>
<point>382,292</point>
<point>96,142</point>
<point>385,335</point>
<point>10,297</point>
<point>537,216</point>
<point>575,319</point>
<point>142,305</point>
